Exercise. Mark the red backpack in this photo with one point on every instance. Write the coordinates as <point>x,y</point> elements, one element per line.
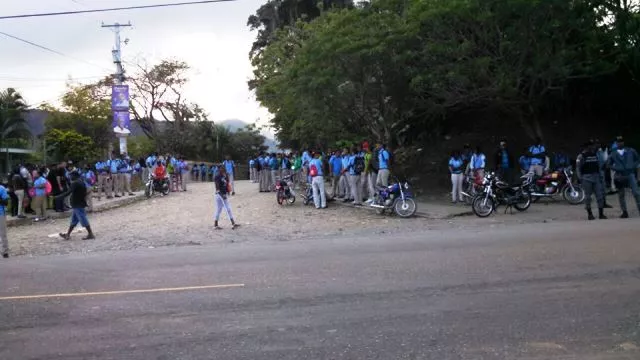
<point>313,171</point>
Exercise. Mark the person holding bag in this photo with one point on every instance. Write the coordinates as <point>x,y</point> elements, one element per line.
<point>624,162</point>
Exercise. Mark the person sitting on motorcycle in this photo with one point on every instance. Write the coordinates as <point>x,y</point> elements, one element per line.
<point>159,173</point>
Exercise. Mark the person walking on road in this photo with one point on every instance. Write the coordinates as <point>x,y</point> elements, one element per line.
<point>624,161</point>
<point>223,188</point>
<point>78,192</point>
<point>588,170</point>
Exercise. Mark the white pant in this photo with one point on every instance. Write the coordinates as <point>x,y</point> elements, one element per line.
<point>383,177</point>
<point>20,204</point>
<point>354,184</point>
<point>368,184</point>
<point>220,204</point>
<point>456,187</point>
<point>344,186</point>
<point>319,196</point>
<point>537,169</point>
<point>233,187</point>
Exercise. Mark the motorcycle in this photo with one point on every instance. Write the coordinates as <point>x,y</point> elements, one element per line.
<point>284,191</point>
<point>555,183</point>
<point>470,188</point>
<point>396,198</point>
<point>160,186</point>
<point>497,192</point>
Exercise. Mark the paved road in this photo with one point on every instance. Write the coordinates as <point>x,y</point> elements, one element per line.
<point>451,294</point>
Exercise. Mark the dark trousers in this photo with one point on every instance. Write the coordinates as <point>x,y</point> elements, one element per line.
<point>14,203</point>
<point>592,185</point>
<point>58,204</point>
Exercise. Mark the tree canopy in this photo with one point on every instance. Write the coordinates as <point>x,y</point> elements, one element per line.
<point>408,72</point>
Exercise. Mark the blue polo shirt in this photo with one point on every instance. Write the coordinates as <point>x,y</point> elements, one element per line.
<point>228,165</point>
<point>4,196</point>
<point>318,165</point>
<point>536,150</point>
<point>336,164</point>
<point>456,165</point>
<point>383,159</point>
<point>351,164</point>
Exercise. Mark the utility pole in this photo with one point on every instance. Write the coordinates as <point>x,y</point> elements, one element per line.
<point>119,74</point>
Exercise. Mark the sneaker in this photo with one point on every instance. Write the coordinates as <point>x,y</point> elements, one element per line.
<point>233,193</point>
<point>5,255</point>
<point>217,228</point>
<point>89,237</point>
<point>235,226</point>
<point>625,215</point>
<point>369,201</point>
<point>64,236</point>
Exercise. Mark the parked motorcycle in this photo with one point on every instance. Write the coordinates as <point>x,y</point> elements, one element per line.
<point>555,183</point>
<point>160,186</point>
<point>284,191</point>
<point>470,188</point>
<point>497,192</point>
<point>396,198</point>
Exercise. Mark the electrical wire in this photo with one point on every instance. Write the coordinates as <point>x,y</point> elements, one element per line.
<point>51,50</point>
<point>113,9</point>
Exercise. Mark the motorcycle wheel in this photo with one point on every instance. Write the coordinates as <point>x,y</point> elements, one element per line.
<point>306,200</point>
<point>165,190</point>
<point>573,197</point>
<point>291,199</point>
<point>481,208</point>
<point>524,203</point>
<point>280,197</point>
<point>406,208</point>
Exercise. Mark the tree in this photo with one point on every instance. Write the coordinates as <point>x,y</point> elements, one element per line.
<point>12,124</point>
<point>85,112</point>
<point>70,145</point>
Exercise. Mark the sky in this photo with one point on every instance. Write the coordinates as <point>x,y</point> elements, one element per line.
<point>212,38</point>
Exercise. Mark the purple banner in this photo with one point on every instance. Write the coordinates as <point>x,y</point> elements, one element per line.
<point>121,122</point>
<point>120,97</point>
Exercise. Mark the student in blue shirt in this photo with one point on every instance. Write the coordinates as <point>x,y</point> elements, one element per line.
<point>40,199</point>
<point>273,166</point>
<point>478,163</point>
<point>252,170</point>
<point>344,176</point>
<point>537,155</point>
<point>525,164</point>
<point>317,182</point>
<point>230,167</point>
<point>203,172</point>
<point>384,160</point>
<point>113,166</point>
<point>4,240</point>
<point>354,178</point>
<point>89,178</point>
<point>455,169</point>
<point>335,165</point>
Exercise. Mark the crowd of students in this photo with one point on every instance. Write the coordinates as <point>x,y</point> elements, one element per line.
<point>353,172</point>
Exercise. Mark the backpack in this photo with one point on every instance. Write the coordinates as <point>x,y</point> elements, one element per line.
<point>375,162</point>
<point>358,165</point>
<point>313,170</point>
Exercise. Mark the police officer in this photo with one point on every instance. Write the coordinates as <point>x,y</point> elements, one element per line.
<point>588,169</point>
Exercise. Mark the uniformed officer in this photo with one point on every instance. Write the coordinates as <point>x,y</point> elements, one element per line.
<point>588,170</point>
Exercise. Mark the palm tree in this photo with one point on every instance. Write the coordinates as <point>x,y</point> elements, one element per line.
<point>12,124</point>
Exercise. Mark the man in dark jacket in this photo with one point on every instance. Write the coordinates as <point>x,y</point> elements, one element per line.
<point>78,192</point>
<point>624,161</point>
<point>504,163</point>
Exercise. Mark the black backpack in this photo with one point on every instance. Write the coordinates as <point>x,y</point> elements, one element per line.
<point>375,162</point>
<point>358,165</point>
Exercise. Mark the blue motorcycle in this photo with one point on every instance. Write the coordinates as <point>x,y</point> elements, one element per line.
<point>396,198</point>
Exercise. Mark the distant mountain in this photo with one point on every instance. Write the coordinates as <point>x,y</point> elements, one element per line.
<point>234,124</point>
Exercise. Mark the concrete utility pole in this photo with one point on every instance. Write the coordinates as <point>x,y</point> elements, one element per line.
<point>119,74</point>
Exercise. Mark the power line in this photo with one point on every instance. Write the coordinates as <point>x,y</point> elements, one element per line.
<point>113,9</point>
<point>50,50</point>
<point>12,78</point>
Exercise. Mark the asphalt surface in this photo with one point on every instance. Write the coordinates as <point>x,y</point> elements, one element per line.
<point>565,290</point>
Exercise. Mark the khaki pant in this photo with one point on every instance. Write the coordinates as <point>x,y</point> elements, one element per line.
<point>4,241</point>
<point>183,180</point>
<point>89,199</point>
<point>40,206</point>
<point>383,177</point>
<point>103,185</point>
<point>117,184</point>
<point>354,184</point>
<point>126,183</point>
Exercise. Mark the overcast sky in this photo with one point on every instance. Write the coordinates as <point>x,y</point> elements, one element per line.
<point>213,39</point>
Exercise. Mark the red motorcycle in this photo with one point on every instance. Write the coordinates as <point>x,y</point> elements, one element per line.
<point>556,183</point>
